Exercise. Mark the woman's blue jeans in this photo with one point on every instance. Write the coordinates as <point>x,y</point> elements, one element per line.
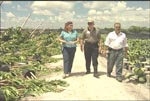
<point>68,57</point>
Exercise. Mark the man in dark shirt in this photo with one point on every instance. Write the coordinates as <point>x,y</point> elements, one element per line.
<point>89,42</point>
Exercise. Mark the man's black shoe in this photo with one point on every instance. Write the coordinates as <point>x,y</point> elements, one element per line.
<point>108,75</point>
<point>96,75</point>
<point>88,72</point>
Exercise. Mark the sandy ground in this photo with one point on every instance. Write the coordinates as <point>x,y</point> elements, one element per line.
<point>87,87</point>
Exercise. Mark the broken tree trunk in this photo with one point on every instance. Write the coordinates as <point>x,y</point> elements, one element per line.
<point>25,22</point>
<point>32,33</point>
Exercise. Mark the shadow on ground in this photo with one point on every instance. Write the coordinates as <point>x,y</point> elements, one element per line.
<point>78,74</point>
<point>83,73</point>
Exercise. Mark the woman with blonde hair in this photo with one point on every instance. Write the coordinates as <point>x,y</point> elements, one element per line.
<point>69,38</point>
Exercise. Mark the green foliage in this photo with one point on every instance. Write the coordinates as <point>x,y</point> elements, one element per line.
<point>137,29</point>
<point>17,47</point>
<point>142,79</point>
<point>138,48</point>
<point>10,93</point>
<point>5,75</point>
<point>138,74</point>
<point>33,87</point>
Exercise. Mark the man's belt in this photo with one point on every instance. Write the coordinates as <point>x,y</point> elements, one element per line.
<point>109,48</point>
<point>86,42</point>
<point>91,44</point>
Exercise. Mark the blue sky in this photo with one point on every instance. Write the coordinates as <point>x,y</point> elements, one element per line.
<point>53,14</point>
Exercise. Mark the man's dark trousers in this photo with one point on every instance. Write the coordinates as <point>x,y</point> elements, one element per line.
<point>91,53</point>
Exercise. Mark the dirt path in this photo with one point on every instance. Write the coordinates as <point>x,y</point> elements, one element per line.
<point>86,87</point>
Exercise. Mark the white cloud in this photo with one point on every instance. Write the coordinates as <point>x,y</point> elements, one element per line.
<point>121,6</point>
<point>99,12</point>
<point>42,12</point>
<point>148,10</point>
<point>7,2</point>
<point>68,15</point>
<point>92,18</point>
<point>79,16</point>
<point>51,18</point>
<point>117,12</point>
<point>10,14</point>
<point>99,4</point>
<point>55,21</point>
<point>14,20</point>
<point>58,18</point>
<point>92,12</point>
<point>58,12</point>
<point>130,8</point>
<point>52,5</point>
<point>107,12</point>
<point>32,22</point>
<point>139,9</point>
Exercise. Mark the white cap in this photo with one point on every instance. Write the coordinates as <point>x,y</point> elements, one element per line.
<point>90,21</point>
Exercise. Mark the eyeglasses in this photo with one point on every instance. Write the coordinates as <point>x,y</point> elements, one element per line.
<point>91,24</point>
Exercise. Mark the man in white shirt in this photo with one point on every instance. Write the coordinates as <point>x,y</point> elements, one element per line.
<point>116,43</point>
